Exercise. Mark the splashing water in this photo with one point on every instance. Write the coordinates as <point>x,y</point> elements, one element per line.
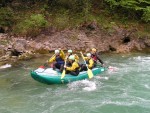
<point>5,66</point>
<point>126,91</point>
<point>83,84</point>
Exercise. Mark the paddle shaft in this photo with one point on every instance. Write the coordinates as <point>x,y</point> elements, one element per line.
<point>64,71</point>
<point>46,63</point>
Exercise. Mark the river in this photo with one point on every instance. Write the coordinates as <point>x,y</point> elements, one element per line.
<point>123,89</point>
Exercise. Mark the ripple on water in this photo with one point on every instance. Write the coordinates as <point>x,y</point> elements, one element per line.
<point>126,91</point>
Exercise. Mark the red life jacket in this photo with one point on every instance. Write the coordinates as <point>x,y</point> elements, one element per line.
<point>94,57</point>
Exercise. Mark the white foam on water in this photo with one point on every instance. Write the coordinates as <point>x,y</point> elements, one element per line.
<point>141,58</point>
<point>138,58</point>
<point>90,86</point>
<point>86,85</point>
<point>147,86</point>
<point>99,77</point>
<point>112,69</point>
<point>5,66</point>
<point>119,103</point>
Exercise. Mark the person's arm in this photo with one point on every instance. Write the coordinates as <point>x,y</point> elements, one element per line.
<point>52,59</point>
<point>62,54</point>
<point>98,57</point>
<point>85,58</point>
<point>73,67</point>
<point>76,58</point>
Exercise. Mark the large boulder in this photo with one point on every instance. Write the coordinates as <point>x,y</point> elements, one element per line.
<point>20,45</point>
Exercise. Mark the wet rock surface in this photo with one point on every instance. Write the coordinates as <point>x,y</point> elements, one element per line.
<point>89,36</point>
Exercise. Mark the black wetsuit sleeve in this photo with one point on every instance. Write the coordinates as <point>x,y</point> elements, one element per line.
<point>98,58</point>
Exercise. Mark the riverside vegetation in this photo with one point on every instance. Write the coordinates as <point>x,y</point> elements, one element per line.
<point>26,17</point>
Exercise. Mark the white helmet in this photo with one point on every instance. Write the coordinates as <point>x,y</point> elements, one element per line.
<point>88,54</point>
<point>71,57</point>
<point>56,51</point>
<point>69,51</point>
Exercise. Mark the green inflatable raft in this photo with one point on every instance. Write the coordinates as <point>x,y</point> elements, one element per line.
<point>49,76</point>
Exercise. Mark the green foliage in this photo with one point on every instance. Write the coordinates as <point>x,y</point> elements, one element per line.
<point>143,34</point>
<point>31,25</point>
<point>146,15</point>
<point>62,14</point>
<point>64,19</point>
<point>70,13</point>
<point>131,8</point>
<point>75,6</point>
<point>6,17</point>
<point>60,19</point>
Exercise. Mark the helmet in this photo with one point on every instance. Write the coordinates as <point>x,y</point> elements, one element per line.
<point>69,51</point>
<point>93,49</point>
<point>56,51</point>
<point>88,54</point>
<point>71,57</point>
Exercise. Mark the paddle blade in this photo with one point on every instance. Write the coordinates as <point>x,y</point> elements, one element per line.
<point>63,74</point>
<point>90,73</point>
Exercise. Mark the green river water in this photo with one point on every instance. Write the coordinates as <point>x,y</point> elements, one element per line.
<point>127,89</point>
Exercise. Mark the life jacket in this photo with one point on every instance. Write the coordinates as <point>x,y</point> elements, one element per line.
<point>94,57</point>
<point>59,60</point>
<point>88,62</point>
<point>68,63</point>
<point>77,68</point>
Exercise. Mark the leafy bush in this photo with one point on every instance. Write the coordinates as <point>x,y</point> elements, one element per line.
<point>6,17</point>
<point>31,25</point>
<point>131,8</point>
<point>146,15</point>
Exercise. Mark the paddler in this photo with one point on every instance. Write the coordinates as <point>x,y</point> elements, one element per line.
<point>69,53</point>
<point>89,62</point>
<point>58,59</point>
<point>73,69</point>
<point>96,57</point>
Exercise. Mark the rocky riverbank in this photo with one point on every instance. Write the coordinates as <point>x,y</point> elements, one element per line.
<point>14,48</point>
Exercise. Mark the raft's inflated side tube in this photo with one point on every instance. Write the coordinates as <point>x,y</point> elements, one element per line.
<point>49,76</point>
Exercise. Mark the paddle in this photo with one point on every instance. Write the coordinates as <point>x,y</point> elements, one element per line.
<point>45,64</point>
<point>89,71</point>
<point>64,71</point>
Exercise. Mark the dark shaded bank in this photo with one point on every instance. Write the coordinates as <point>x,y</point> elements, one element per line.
<point>88,36</point>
